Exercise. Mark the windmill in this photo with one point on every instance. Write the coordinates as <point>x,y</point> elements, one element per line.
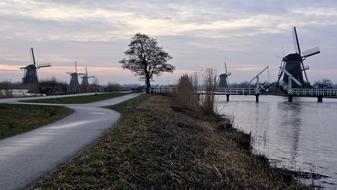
<point>30,71</point>
<point>293,64</point>
<point>74,78</point>
<point>85,78</point>
<point>224,78</point>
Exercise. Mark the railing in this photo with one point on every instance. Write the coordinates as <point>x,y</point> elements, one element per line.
<point>219,91</point>
<point>237,91</point>
<point>313,92</point>
<point>163,90</point>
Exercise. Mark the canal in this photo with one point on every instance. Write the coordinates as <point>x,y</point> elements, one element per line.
<point>301,135</point>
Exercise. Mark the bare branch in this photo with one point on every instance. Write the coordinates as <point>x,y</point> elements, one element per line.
<point>145,58</point>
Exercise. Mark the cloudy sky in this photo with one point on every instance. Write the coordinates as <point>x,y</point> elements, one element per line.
<point>249,34</point>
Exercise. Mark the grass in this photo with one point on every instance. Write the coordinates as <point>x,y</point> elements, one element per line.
<point>78,99</point>
<point>155,146</point>
<point>15,119</point>
<point>129,105</point>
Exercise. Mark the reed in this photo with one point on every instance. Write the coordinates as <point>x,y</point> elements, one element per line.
<point>208,101</point>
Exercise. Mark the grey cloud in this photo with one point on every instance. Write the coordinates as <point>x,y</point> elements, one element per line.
<point>261,33</point>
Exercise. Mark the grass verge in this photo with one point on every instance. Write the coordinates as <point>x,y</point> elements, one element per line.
<point>156,146</point>
<point>78,99</point>
<point>15,119</point>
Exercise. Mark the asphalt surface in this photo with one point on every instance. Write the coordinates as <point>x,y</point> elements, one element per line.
<point>29,156</point>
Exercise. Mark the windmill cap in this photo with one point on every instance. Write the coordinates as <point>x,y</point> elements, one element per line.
<point>293,57</point>
<point>223,75</point>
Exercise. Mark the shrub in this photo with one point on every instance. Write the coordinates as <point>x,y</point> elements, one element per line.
<point>186,96</point>
<point>207,103</point>
<point>5,89</point>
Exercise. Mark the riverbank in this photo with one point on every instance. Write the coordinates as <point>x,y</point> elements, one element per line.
<point>159,146</point>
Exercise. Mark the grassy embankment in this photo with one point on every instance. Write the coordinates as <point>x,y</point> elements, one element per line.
<point>15,119</point>
<point>79,99</point>
<point>158,145</point>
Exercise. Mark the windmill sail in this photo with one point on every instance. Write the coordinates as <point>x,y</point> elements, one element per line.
<point>226,67</point>
<point>33,56</point>
<point>296,42</point>
<point>42,66</point>
<point>311,52</point>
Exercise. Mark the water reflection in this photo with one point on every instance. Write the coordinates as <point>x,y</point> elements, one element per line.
<point>299,135</point>
<point>291,120</point>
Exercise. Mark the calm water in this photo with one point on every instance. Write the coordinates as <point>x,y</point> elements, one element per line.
<point>301,135</point>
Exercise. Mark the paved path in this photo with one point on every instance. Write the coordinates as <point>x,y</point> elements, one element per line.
<point>26,157</point>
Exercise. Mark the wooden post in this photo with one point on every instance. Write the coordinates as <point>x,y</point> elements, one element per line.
<point>290,98</point>
<point>257,98</point>
<point>320,99</point>
<point>227,97</point>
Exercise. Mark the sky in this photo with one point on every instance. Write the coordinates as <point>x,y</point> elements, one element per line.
<point>247,34</point>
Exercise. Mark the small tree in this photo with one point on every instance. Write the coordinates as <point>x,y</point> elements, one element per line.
<point>145,58</point>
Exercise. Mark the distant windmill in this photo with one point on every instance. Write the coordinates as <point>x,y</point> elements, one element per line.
<point>293,63</point>
<point>224,78</point>
<point>74,78</point>
<point>30,74</point>
<point>85,78</point>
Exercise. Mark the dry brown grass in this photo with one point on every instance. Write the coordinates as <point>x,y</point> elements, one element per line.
<point>208,105</point>
<point>186,96</point>
<point>158,147</point>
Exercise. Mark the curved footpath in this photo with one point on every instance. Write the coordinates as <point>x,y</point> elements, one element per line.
<point>27,157</point>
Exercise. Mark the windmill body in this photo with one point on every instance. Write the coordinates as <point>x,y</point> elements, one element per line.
<point>73,80</point>
<point>223,83</point>
<point>30,75</point>
<point>293,64</point>
<point>85,81</point>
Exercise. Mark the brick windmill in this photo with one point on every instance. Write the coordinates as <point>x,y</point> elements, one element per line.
<point>30,71</point>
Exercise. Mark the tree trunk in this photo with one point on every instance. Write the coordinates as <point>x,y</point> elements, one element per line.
<point>147,83</point>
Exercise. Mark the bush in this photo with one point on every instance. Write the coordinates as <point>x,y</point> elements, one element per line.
<point>5,89</point>
<point>52,87</point>
<point>186,96</point>
<point>207,103</point>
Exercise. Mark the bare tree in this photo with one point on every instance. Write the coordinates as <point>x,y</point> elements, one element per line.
<point>145,58</point>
